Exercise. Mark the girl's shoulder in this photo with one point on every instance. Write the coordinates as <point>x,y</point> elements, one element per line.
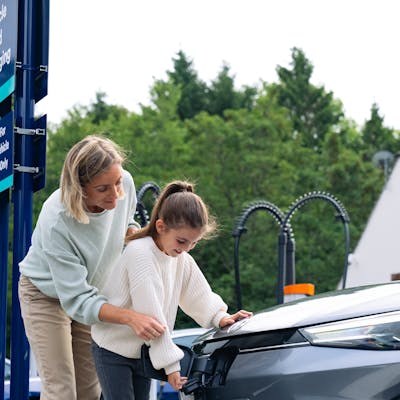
<point>139,245</point>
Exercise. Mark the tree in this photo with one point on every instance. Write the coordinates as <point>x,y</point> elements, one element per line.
<point>223,96</point>
<point>193,91</point>
<point>99,110</point>
<point>312,110</point>
<point>376,136</point>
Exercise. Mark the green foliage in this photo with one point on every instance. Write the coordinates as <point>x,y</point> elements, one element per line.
<point>193,96</point>
<point>223,96</point>
<point>312,110</point>
<point>376,136</point>
<point>275,144</point>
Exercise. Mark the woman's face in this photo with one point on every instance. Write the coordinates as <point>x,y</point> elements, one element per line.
<point>176,241</point>
<point>103,192</point>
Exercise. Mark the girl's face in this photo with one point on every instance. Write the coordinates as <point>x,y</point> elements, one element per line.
<point>175,241</point>
<point>103,192</point>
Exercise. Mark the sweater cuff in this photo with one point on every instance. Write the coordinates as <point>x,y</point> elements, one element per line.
<point>96,311</point>
<point>169,369</point>
<point>218,317</point>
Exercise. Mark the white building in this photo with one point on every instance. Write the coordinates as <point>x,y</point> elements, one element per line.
<point>376,258</point>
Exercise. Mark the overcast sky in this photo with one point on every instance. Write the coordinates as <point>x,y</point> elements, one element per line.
<point>120,47</point>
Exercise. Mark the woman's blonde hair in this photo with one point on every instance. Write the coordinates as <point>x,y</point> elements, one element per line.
<point>178,206</point>
<point>88,158</point>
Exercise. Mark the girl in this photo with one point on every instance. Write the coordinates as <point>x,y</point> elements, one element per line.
<point>79,235</point>
<point>155,275</point>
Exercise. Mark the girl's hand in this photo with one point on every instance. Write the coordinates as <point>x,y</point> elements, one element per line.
<point>176,380</point>
<point>231,319</point>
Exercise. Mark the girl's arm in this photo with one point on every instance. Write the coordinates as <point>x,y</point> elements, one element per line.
<point>205,306</point>
<point>197,298</point>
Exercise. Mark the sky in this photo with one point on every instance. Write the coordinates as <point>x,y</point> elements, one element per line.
<point>121,47</point>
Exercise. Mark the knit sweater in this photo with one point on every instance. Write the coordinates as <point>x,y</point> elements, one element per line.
<point>149,281</point>
<point>70,261</point>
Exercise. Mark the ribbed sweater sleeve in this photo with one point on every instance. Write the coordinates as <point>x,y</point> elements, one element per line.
<point>197,299</point>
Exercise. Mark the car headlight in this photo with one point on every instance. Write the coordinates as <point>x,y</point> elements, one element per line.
<point>375,332</point>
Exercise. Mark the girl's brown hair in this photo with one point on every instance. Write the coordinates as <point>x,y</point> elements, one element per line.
<point>178,206</point>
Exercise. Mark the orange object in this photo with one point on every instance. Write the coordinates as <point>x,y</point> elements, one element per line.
<point>307,289</point>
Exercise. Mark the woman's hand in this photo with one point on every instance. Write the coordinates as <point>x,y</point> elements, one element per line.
<point>231,319</point>
<point>131,230</point>
<point>176,380</point>
<point>144,326</point>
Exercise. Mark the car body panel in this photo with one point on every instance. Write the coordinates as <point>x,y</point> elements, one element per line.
<point>274,360</point>
<point>326,307</point>
<point>306,372</point>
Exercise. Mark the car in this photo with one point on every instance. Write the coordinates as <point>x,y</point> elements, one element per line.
<point>34,383</point>
<point>184,337</point>
<point>339,345</point>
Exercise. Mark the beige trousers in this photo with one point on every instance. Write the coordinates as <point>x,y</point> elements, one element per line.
<point>60,345</point>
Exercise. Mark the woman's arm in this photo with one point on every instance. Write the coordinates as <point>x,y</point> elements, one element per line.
<point>144,326</point>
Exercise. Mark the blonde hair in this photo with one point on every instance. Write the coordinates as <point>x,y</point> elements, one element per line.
<point>178,206</point>
<point>88,158</point>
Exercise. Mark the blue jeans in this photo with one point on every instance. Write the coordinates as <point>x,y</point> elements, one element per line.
<point>120,377</point>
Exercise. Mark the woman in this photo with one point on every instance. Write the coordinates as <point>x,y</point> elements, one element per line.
<point>78,236</point>
<point>155,275</point>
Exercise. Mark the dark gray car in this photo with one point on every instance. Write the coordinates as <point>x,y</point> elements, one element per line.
<point>338,345</point>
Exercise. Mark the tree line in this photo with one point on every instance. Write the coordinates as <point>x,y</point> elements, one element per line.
<point>274,142</point>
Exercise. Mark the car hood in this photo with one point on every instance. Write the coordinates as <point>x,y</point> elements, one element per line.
<point>326,307</point>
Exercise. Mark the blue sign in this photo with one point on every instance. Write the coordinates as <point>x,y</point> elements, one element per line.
<point>6,151</point>
<point>8,46</point>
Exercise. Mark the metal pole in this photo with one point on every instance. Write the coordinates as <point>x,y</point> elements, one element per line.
<point>347,251</point>
<point>238,289</point>
<point>282,241</point>
<point>4,219</point>
<point>290,277</point>
<point>22,195</point>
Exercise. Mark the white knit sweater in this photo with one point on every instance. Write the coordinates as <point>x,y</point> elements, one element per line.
<point>148,281</point>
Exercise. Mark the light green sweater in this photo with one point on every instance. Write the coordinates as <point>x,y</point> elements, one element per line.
<point>148,281</point>
<point>71,261</point>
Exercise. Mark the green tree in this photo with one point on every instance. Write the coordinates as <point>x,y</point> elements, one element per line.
<point>193,91</point>
<point>222,94</point>
<point>377,136</point>
<point>99,110</point>
<point>312,110</point>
